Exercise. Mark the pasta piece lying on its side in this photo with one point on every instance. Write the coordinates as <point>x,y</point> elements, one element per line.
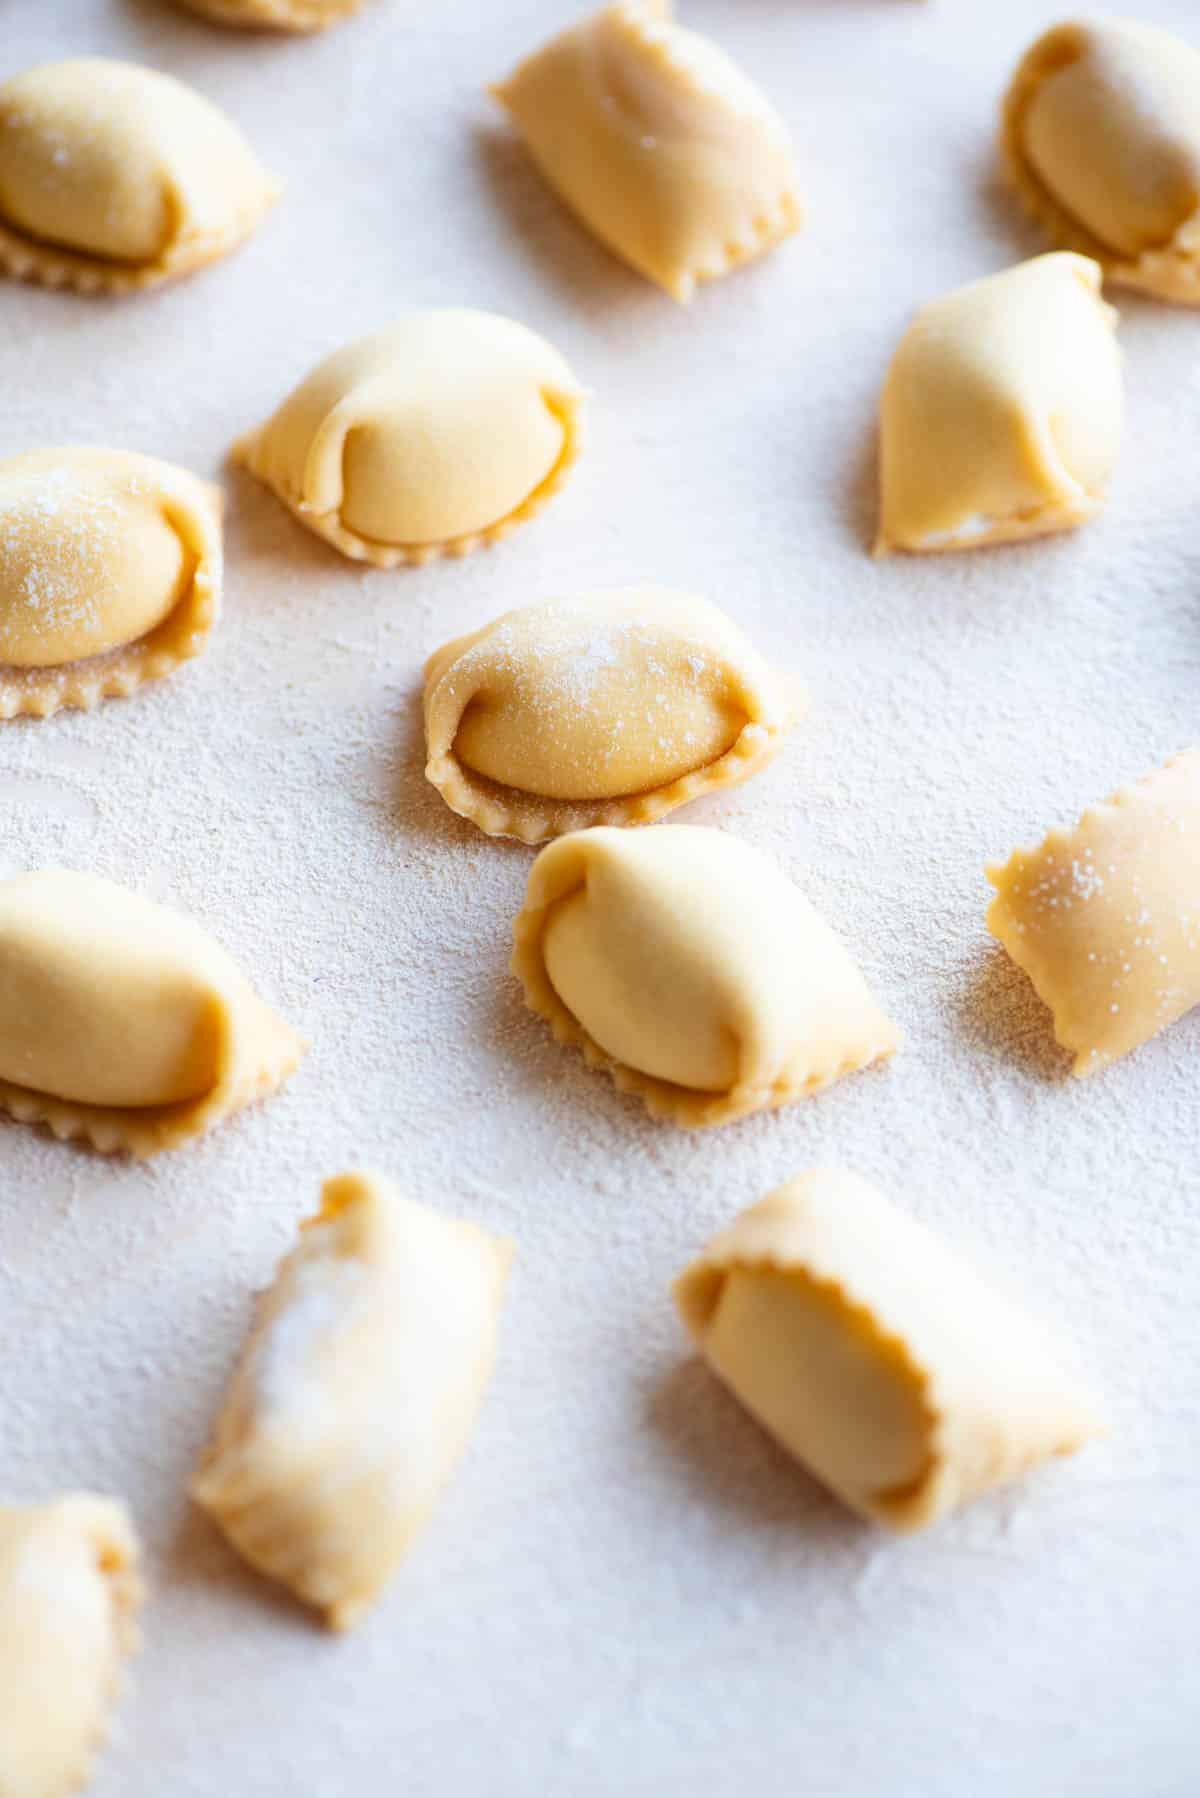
<point>1105,919</point>
<point>1001,412</point>
<point>684,964</point>
<point>668,153</point>
<point>875,1355</point>
<point>122,1022</point>
<point>613,708</point>
<point>429,439</point>
<point>275,15</point>
<point>69,1597</point>
<point>110,575</point>
<point>115,177</point>
<point>1101,139</point>
<point>356,1393</point>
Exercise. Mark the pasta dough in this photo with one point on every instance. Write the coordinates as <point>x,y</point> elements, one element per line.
<point>876,1356</point>
<point>659,143</point>
<point>687,966</point>
<point>1105,919</point>
<point>275,15</point>
<point>69,1596</point>
<point>122,1022</point>
<point>110,575</point>
<point>609,709</point>
<point>1102,141</point>
<point>1001,413</point>
<point>428,439</point>
<point>356,1393</point>
<point>114,177</point>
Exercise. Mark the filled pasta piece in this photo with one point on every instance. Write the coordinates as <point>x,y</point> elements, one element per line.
<point>110,575</point>
<point>275,15</point>
<point>428,439</point>
<point>613,708</point>
<point>875,1355</point>
<point>356,1393</point>
<point>658,142</point>
<point>1001,412</point>
<point>69,1597</point>
<point>688,967</point>
<point>1105,918</point>
<point>122,1022</point>
<point>114,177</point>
<point>1101,139</point>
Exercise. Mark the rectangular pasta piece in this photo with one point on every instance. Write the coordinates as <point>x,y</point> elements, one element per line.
<point>1105,918</point>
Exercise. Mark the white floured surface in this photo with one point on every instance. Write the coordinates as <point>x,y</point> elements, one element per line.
<point>626,1590</point>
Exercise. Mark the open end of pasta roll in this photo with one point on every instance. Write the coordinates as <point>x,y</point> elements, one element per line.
<point>875,1355</point>
<point>115,177</point>
<point>70,1591</point>
<point>613,708</point>
<point>1105,918</point>
<point>356,1393</point>
<point>1101,138</point>
<point>110,575</point>
<point>124,1023</point>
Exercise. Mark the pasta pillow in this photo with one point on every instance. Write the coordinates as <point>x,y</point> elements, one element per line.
<point>684,964</point>
<point>69,1597</point>
<point>122,1022</point>
<point>609,709</point>
<point>1001,412</point>
<point>875,1355</point>
<point>1105,918</point>
<point>658,142</point>
<point>110,575</point>
<point>1102,141</point>
<point>356,1393</point>
<point>275,15</point>
<point>114,177</point>
<point>428,439</point>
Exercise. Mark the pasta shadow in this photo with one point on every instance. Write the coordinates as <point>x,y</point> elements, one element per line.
<point>999,1010</point>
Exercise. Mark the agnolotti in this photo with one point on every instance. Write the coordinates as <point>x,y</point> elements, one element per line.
<point>683,963</point>
<point>114,177</point>
<point>875,1355</point>
<point>613,708</point>
<point>1101,139</point>
<point>356,1393</point>
<point>124,1023</point>
<point>110,575</point>
<point>69,1597</point>
<point>1105,918</point>
<point>428,439</point>
<point>275,15</point>
<point>658,142</point>
<point>1001,413</point>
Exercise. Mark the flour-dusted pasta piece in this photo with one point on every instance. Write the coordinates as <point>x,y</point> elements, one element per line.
<point>69,1597</point>
<point>658,142</point>
<point>1101,138</point>
<point>356,1393</point>
<point>275,15</point>
<point>875,1355</point>
<point>122,1022</point>
<point>114,177</point>
<point>427,439</point>
<point>613,708</point>
<point>683,963</point>
<point>1105,918</point>
<point>1001,413</point>
<point>110,575</point>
